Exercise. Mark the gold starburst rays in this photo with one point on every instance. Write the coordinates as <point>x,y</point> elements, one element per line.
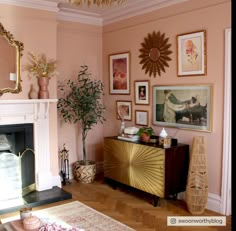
<point>155,53</point>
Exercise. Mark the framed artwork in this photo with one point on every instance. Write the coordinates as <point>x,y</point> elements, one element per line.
<point>191,53</point>
<point>141,117</point>
<point>186,107</point>
<point>124,110</point>
<point>141,92</point>
<point>119,73</point>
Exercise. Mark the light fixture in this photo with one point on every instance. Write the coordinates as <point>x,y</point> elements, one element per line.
<point>94,2</point>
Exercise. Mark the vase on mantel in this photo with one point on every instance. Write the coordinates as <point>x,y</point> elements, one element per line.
<point>43,87</point>
<point>33,94</point>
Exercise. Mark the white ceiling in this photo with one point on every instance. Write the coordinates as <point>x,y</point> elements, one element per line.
<point>96,15</point>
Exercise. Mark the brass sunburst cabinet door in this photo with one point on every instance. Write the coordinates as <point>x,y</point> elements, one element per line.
<point>136,165</point>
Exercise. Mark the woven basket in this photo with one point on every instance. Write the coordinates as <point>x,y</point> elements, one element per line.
<point>197,184</point>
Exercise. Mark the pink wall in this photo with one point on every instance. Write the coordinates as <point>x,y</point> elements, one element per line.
<point>78,45</point>
<point>37,30</point>
<point>212,16</point>
<point>74,44</point>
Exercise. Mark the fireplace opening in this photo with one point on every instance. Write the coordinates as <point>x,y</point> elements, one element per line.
<point>17,162</point>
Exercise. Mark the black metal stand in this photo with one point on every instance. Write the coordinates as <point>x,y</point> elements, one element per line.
<point>64,173</point>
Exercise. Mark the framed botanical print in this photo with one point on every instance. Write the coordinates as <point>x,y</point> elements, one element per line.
<point>141,92</point>
<point>124,110</point>
<point>191,53</point>
<point>119,73</point>
<point>141,117</point>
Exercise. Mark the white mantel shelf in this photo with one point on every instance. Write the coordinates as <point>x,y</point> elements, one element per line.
<point>28,101</point>
<point>35,111</point>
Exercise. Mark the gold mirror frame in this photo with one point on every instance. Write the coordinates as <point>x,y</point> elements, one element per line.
<point>155,53</point>
<point>19,48</point>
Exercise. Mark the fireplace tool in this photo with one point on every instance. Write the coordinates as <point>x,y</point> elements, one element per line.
<point>64,173</point>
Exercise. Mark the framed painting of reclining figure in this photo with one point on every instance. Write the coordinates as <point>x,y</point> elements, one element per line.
<point>186,107</point>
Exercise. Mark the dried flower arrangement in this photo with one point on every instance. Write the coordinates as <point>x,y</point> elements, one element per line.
<point>40,66</point>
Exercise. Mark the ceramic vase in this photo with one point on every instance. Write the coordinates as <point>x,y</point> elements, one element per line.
<point>43,87</point>
<point>33,94</point>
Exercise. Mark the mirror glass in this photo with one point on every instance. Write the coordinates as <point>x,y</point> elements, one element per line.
<point>10,54</point>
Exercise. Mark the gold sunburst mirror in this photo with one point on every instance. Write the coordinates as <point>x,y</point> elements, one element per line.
<point>155,53</point>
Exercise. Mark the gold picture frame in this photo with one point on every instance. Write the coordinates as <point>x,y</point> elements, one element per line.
<point>191,54</point>
<point>185,107</point>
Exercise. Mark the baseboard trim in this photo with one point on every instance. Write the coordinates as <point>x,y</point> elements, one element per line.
<point>213,201</point>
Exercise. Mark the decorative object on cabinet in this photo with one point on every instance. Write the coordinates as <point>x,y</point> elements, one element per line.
<point>147,167</point>
<point>81,103</point>
<point>186,107</point>
<point>145,133</point>
<point>155,53</point>
<point>124,110</point>
<point>141,92</point>
<point>191,53</point>
<point>197,184</point>
<point>10,62</point>
<point>141,117</point>
<point>119,73</point>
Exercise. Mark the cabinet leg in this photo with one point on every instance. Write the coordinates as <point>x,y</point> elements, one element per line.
<point>155,200</point>
<point>175,196</point>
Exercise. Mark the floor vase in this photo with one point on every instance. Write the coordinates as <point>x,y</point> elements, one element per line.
<point>43,88</point>
<point>197,184</point>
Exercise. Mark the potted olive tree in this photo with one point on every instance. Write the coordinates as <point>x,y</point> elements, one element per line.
<point>81,103</point>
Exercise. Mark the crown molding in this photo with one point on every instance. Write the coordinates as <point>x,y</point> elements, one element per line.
<point>68,14</point>
<point>35,4</point>
<point>99,17</point>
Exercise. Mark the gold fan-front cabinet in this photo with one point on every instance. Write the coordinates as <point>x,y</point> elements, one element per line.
<point>147,167</point>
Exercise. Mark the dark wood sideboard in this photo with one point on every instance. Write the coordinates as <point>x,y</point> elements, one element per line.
<point>147,167</point>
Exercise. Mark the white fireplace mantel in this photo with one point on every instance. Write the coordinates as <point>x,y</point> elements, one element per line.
<point>34,111</point>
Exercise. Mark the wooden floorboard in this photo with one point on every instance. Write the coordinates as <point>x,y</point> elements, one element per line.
<point>131,207</point>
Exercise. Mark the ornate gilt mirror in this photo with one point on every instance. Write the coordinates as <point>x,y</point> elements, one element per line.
<point>10,54</point>
<point>155,53</point>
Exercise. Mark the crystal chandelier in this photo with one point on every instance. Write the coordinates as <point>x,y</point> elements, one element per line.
<point>94,2</point>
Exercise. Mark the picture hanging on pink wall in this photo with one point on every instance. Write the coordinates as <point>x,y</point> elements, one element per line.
<point>119,73</point>
<point>185,107</point>
<point>191,53</point>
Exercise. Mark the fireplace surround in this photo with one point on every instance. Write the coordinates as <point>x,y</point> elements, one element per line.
<point>35,111</point>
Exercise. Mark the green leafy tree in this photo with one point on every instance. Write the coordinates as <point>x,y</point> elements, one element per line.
<point>82,103</point>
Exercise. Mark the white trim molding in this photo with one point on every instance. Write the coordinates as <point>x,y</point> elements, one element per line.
<point>35,112</point>
<point>226,172</point>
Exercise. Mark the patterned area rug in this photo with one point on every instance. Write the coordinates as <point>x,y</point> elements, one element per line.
<point>77,215</point>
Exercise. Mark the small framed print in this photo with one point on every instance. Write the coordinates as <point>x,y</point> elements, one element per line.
<point>141,117</point>
<point>124,110</point>
<point>141,92</point>
<point>191,53</point>
<point>119,73</point>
